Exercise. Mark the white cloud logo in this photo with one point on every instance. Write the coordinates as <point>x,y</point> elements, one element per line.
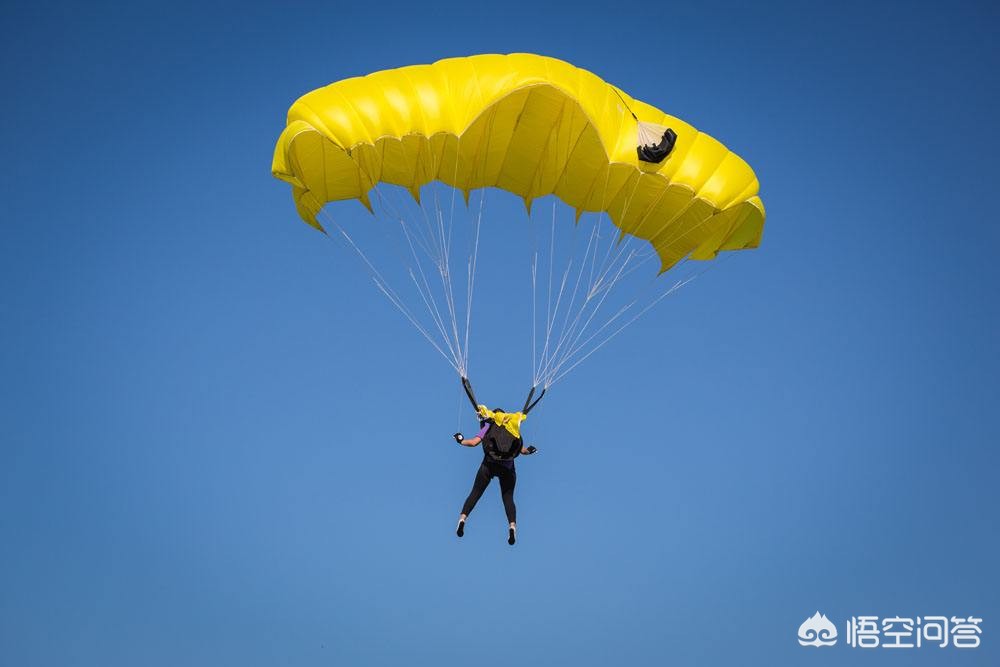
<point>817,630</point>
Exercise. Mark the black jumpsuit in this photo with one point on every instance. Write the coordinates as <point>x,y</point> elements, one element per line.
<point>488,469</point>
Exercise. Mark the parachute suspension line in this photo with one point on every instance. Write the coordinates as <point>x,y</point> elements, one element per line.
<point>615,264</point>
<point>576,288</point>
<point>541,361</point>
<point>605,267</point>
<point>383,284</point>
<point>600,285</point>
<point>602,273</point>
<point>577,346</point>
<point>562,288</point>
<point>426,237</point>
<point>445,268</point>
<point>535,249</point>
<point>443,273</point>
<point>572,348</point>
<point>568,334</point>
<point>428,232</point>
<point>676,286</point>
<point>434,240</point>
<point>425,291</point>
<point>601,213</point>
<point>548,300</point>
<point>547,356</point>
<point>534,317</point>
<point>548,293</point>
<point>534,299</point>
<point>595,234</point>
<point>473,259</point>
<point>387,290</point>
<point>593,261</point>
<point>673,288</point>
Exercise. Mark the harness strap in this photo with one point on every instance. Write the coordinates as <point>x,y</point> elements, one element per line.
<point>528,405</point>
<point>468,392</point>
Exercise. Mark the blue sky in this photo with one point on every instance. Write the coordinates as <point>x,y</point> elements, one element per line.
<point>220,446</point>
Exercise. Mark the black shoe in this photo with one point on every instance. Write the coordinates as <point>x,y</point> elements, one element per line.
<point>461,529</point>
<point>510,536</point>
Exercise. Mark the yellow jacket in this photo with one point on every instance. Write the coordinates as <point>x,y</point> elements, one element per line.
<point>509,420</point>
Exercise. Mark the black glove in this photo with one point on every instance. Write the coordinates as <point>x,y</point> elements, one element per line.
<point>531,449</point>
<point>458,438</point>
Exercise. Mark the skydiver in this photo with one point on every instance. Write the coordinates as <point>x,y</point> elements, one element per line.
<point>500,436</point>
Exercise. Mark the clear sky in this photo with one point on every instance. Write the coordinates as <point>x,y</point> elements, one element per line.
<point>220,446</point>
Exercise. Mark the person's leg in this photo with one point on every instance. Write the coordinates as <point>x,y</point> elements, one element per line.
<point>508,478</point>
<point>478,486</point>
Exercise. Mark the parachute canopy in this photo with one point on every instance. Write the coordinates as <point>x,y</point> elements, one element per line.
<point>530,125</point>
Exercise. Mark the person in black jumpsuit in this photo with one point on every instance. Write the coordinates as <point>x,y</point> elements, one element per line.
<point>503,470</point>
<point>494,465</point>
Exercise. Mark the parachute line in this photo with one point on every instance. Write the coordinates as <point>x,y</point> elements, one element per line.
<point>583,310</point>
<point>428,239</point>
<point>598,287</point>
<point>389,293</point>
<point>426,292</point>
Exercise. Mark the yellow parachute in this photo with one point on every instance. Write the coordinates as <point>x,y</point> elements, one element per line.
<point>530,125</point>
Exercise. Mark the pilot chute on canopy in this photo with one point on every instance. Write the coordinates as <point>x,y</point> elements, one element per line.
<point>533,126</point>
